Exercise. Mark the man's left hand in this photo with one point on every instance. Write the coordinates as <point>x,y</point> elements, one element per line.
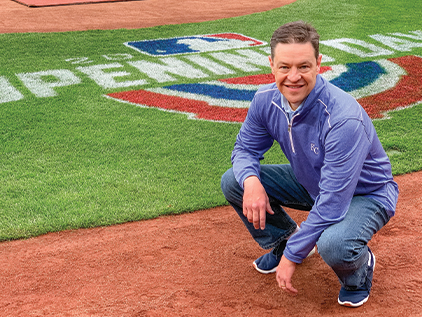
<point>285,271</point>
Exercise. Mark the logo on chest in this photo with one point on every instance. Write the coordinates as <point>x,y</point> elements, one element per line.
<point>314,148</point>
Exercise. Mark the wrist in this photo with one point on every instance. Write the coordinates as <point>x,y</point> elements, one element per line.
<point>287,261</point>
<point>253,179</point>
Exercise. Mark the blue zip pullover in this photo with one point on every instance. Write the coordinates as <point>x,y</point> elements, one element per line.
<point>332,147</point>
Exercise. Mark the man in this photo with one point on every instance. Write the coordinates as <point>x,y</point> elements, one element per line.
<point>338,171</point>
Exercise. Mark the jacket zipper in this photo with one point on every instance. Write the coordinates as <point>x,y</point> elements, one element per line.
<point>290,123</point>
<point>290,133</point>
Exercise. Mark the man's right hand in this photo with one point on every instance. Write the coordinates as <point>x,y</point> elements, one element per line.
<point>255,202</point>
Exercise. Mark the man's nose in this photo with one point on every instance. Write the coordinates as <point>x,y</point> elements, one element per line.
<point>294,75</point>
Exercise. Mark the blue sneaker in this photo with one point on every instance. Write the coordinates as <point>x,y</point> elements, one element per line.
<point>360,296</point>
<point>268,263</point>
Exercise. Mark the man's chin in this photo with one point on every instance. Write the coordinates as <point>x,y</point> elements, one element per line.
<point>294,102</point>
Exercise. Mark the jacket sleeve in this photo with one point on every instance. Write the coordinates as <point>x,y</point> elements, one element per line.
<point>252,142</point>
<point>347,145</point>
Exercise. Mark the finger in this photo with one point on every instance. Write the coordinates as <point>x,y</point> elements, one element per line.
<point>256,218</point>
<point>289,288</point>
<point>249,215</point>
<point>281,283</point>
<point>269,209</point>
<point>245,211</point>
<point>284,287</point>
<point>262,217</point>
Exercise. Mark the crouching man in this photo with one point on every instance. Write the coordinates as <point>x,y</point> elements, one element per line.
<point>338,171</point>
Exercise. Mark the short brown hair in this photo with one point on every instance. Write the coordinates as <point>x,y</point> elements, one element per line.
<point>295,32</point>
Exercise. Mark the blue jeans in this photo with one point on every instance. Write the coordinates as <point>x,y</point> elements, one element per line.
<point>343,246</point>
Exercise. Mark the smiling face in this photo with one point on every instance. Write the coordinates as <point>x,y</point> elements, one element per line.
<point>295,69</point>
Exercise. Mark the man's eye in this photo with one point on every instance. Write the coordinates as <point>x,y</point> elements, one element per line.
<point>304,68</point>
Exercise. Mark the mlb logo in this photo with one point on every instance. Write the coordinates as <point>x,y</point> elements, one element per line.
<point>194,44</point>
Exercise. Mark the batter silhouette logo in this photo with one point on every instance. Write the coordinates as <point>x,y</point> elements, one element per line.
<point>380,86</point>
<point>194,44</point>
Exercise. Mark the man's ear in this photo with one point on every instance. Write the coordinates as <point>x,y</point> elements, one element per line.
<point>271,64</point>
<point>319,59</point>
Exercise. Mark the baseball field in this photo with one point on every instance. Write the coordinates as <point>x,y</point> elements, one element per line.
<point>117,120</point>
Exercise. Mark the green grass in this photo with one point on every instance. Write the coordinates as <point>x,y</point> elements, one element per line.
<point>69,168</point>
<point>80,160</point>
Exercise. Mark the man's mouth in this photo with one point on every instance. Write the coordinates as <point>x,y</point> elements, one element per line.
<point>294,86</point>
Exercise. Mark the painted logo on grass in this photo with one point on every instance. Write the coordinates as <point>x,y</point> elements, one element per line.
<point>379,86</point>
<point>194,44</point>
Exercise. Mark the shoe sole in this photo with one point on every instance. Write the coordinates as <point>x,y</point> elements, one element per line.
<point>311,253</point>
<point>273,270</point>
<point>354,305</point>
<point>263,271</point>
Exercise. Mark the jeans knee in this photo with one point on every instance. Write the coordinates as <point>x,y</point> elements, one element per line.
<point>335,250</point>
<point>229,185</point>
